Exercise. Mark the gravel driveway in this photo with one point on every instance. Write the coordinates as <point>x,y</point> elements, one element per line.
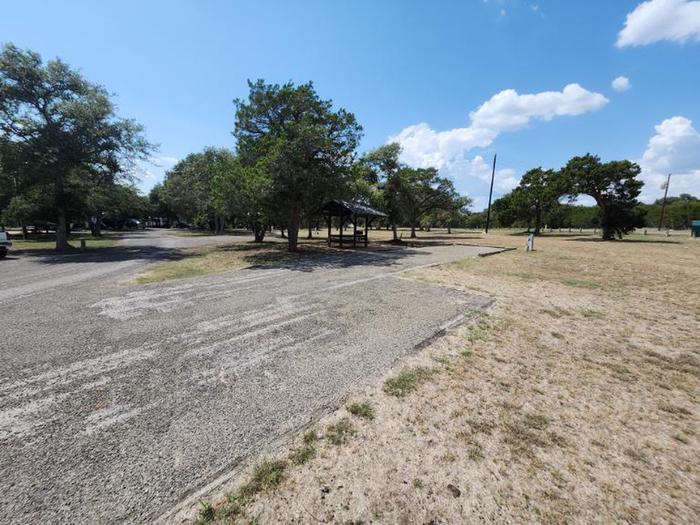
<point>117,401</point>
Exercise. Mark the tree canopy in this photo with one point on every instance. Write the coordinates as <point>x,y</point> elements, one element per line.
<point>298,142</point>
<point>613,185</point>
<point>61,138</point>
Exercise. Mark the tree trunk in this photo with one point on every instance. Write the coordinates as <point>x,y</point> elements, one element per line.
<point>62,231</point>
<point>95,228</point>
<point>310,234</point>
<point>259,231</point>
<point>393,228</point>
<point>293,231</point>
<point>606,222</point>
<point>449,229</point>
<point>25,235</point>
<point>413,231</point>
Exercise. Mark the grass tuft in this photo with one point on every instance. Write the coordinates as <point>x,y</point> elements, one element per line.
<point>267,475</point>
<point>407,381</point>
<point>303,454</point>
<point>340,433</point>
<point>363,410</point>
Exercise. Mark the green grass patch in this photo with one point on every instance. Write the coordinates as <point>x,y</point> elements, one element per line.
<point>340,433</point>
<point>307,451</point>
<point>267,475</point>
<point>303,454</point>
<point>407,381</point>
<point>207,513</point>
<point>363,410</point>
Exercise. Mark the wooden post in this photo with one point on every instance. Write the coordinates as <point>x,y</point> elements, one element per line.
<point>488,212</point>
<point>354,231</point>
<point>330,220</point>
<point>366,229</point>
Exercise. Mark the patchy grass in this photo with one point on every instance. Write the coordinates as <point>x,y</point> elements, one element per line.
<point>207,260</point>
<point>339,433</point>
<point>575,400</point>
<point>267,475</point>
<point>203,261</point>
<point>207,513</point>
<point>307,451</point>
<point>407,381</point>
<point>363,410</point>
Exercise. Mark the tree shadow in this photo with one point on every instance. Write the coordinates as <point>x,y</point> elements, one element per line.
<point>310,258</point>
<point>102,255</point>
<point>626,241</point>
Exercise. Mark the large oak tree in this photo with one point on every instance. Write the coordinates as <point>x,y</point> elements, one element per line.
<point>64,130</point>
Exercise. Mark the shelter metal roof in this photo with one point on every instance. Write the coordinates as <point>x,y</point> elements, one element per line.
<point>341,207</point>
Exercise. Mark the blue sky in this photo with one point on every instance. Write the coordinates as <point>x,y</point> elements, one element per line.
<point>447,79</point>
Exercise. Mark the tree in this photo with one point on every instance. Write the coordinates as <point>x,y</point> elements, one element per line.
<point>244,192</point>
<point>537,194</point>
<point>421,191</point>
<point>304,148</point>
<point>383,164</point>
<point>158,206</point>
<point>64,128</point>
<point>614,187</point>
<point>188,187</point>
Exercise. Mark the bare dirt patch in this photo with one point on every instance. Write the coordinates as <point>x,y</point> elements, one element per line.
<point>574,400</point>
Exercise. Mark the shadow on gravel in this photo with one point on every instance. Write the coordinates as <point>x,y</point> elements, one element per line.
<point>102,255</point>
<point>309,258</point>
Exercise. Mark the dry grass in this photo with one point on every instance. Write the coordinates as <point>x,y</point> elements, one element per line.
<point>206,260</point>
<point>574,400</point>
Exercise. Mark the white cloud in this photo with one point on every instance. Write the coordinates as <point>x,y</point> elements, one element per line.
<point>657,20</point>
<point>151,171</point>
<point>508,110</point>
<point>621,84</point>
<point>463,169</point>
<point>674,149</point>
<point>505,111</point>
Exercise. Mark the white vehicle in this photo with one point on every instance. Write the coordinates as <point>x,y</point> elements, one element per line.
<point>5,244</point>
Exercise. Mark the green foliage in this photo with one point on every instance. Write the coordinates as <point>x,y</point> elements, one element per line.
<point>615,188</point>
<point>340,432</point>
<point>244,192</point>
<point>407,381</point>
<point>300,144</point>
<point>679,212</point>
<point>267,475</point>
<point>421,191</point>
<point>61,139</point>
<point>364,410</point>
<point>207,513</point>
<point>189,190</point>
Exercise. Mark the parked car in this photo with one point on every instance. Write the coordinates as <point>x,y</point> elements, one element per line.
<point>5,243</point>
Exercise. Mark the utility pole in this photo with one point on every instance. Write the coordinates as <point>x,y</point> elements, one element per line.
<point>663,204</point>
<point>488,212</point>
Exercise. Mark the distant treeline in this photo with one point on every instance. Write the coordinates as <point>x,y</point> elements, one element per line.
<point>678,213</point>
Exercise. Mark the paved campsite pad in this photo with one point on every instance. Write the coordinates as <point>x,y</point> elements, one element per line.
<point>119,400</point>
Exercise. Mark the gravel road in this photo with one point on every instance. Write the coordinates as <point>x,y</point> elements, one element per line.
<point>117,401</point>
